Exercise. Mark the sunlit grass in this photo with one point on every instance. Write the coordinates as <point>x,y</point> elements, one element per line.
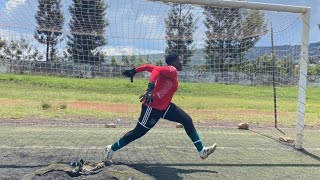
<point>204,101</point>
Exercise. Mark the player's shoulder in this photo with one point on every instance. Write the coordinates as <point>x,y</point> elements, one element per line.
<point>172,68</point>
<point>167,68</point>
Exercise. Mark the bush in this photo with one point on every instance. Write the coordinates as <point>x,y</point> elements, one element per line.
<point>45,106</point>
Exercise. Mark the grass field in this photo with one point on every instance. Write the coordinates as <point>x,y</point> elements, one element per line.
<point>165,152</point>
<point>22,96</point>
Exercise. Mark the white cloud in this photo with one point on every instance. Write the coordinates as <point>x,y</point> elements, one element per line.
<point>117,51</point>
<point>13,4</point>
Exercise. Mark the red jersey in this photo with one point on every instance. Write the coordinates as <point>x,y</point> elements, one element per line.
<point>166,84</point>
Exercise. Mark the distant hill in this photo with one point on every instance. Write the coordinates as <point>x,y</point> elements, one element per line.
<point>281,51</point>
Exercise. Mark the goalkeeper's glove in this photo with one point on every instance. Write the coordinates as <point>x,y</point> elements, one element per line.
<point>147,97</point>
<point>130,73</point>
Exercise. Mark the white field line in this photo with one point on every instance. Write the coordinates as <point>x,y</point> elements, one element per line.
<point>148,147</point>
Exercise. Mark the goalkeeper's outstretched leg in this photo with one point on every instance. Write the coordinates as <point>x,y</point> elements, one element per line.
<point>148,118</point>
<point>176,114</point>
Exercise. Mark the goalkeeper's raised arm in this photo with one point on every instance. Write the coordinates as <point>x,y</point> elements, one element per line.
<point>130,73</point>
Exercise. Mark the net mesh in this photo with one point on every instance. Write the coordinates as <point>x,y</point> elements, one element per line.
<point>231,71</point>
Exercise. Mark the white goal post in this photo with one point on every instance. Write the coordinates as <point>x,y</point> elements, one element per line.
<point>305,13</point>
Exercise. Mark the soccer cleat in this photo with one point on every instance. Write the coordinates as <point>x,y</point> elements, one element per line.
<point>108,154</point>
<point>206,151</point>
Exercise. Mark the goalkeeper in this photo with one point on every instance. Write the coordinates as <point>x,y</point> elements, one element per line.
<point>156,104</point>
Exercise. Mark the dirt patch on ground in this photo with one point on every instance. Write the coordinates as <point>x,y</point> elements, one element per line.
<point>109,107</point>
<point>125,108</point>
<point>12,102</point>
<point>236,112</point>
<point>253,111</point>
<point>208,117</point>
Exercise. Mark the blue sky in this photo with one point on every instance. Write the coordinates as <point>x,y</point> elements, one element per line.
<point>315,15</point>
<point>137,27</point>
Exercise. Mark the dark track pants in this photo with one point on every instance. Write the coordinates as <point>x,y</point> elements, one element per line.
<point>149,117</point>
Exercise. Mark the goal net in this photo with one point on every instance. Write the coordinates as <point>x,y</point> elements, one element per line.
<point>243,61</point>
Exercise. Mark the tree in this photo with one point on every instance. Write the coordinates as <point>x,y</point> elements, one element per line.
<point>3,44</point>
<point>319,47</point>
<point>148,61</point>
<point>159,62</point>
<point>132,60</point>
<point>88,25</point>
<point>125,60</point>
<point>230,33</point>
<point>21,51</point>
<point>54,54</point>
<point>180,26</point>
<point>114,61</point>
<point>141,60</point>
<point>313,69</point>
<point>319,54</point>
<point>249,67</point>
<point>50,20</point>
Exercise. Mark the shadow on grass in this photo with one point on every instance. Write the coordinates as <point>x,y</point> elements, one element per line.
<point>224,165</point>
<point>2,166</point>
<point>305,152</point>
<point>272,138</point>
<point>170,171</point>
<point>280,130</point>
<point>166,171</point>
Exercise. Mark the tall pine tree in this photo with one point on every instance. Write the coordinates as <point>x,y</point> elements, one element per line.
<point>50,20</point>
<point>180,26</point>
<point>88,25</point>
<point>230,33</point>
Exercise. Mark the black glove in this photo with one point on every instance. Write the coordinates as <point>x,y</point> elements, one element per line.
<point>130,73</point>
<point>148,95</point>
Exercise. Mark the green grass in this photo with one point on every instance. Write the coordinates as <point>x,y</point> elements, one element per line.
<point>204,101</point>
<point>163,152</point>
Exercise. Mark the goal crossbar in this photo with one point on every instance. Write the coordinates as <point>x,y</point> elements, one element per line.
<point>241,4</point>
